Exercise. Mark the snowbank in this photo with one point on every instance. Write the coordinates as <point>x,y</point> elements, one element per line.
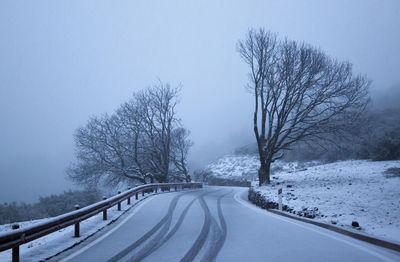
<point>344,192</point>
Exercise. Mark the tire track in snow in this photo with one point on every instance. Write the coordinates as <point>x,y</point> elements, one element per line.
<point>213,252</point>
<point>151,232</point>
<point>212,241</point>
<point>161,239</point>
<point>198,244</point>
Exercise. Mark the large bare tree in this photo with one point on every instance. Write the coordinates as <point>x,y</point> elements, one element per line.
<point>142,141</point>
<point>104,153</point>
<point>300,94</point>
<point>159,119</point>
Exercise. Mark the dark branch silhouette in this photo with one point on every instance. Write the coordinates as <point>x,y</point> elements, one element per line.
<point>142,141</point>
<point>299,93</point>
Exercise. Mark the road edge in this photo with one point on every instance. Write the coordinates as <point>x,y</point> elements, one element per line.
<point>362,237</point>
<point>136,206</point>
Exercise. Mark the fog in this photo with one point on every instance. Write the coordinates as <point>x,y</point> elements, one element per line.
<point>64,61</point>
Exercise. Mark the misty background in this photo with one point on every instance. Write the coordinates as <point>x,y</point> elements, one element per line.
<point>62,62</point>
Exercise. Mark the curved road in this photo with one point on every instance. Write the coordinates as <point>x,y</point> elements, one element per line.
<point>217,224</point>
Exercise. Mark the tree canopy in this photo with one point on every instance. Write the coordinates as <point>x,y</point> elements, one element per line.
<point>300,94</point>
<point>143,141</point>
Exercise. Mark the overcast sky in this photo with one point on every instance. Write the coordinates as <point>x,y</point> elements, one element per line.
<point>64,61</point>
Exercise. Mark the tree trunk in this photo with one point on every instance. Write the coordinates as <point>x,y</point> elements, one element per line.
<point>264,173</point>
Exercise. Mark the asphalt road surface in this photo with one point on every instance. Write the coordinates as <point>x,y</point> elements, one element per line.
<point>217,224</point>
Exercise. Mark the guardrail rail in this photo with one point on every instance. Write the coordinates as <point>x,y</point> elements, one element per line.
<point>19,236</point>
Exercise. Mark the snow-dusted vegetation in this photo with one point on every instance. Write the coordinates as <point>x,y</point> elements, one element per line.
<point>342,192</point>
<point>246,167</point>
<point>48,206</point>
<point>235,167</point>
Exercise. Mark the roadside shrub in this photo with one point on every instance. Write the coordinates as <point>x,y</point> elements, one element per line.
<point>259,200</point>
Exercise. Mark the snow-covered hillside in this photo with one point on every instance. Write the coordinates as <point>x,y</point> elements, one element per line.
<point>343,192</point>
<point>246,166</point>
<point>235,167</point>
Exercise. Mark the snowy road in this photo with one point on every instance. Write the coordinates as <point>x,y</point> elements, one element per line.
<point>218,224</point>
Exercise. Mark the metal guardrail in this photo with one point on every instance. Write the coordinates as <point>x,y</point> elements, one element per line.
<point>17,237</point>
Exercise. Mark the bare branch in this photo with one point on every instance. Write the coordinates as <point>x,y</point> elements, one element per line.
<point>300,94</point>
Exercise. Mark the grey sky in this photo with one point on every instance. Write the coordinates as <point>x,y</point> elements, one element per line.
<point>63,61</point>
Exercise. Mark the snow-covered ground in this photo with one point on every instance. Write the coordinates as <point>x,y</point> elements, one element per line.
<point>235,167</point>
<point>50,245</point>
<point>343,192</point>
<point>246,166</point>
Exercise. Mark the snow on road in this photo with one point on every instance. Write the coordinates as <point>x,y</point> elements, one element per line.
<point>210,224</point>
<point>49,245</point>
<point>218,224</point>
<point>345,191</point>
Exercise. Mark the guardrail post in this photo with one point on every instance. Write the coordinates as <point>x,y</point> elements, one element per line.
<point>137,196</point>
<point>142,192</point>
<point>119,203</point>
<point>76,231</point>
<point>156,187</point>
<point>15,250</point>
<point>105,210</point>
<point>176,188</point>
<point>129,198</point>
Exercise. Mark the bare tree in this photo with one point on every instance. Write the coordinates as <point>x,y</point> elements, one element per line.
<point>104,153</point>
<point>181,145</point>
<point>300,94</point>
<point>202,175</point>
<point>158,110</point>
<point>142,141</point>
<point>134,137</point>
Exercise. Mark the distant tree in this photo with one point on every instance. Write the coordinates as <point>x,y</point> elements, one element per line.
<point>300,94</point>
<point>102,153</point>
<point>202,175</point>
<point>142,141</point>
<point>380,139</point>
<point>181,145</point>
<point>250,149</point>
<point>158,120</point>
